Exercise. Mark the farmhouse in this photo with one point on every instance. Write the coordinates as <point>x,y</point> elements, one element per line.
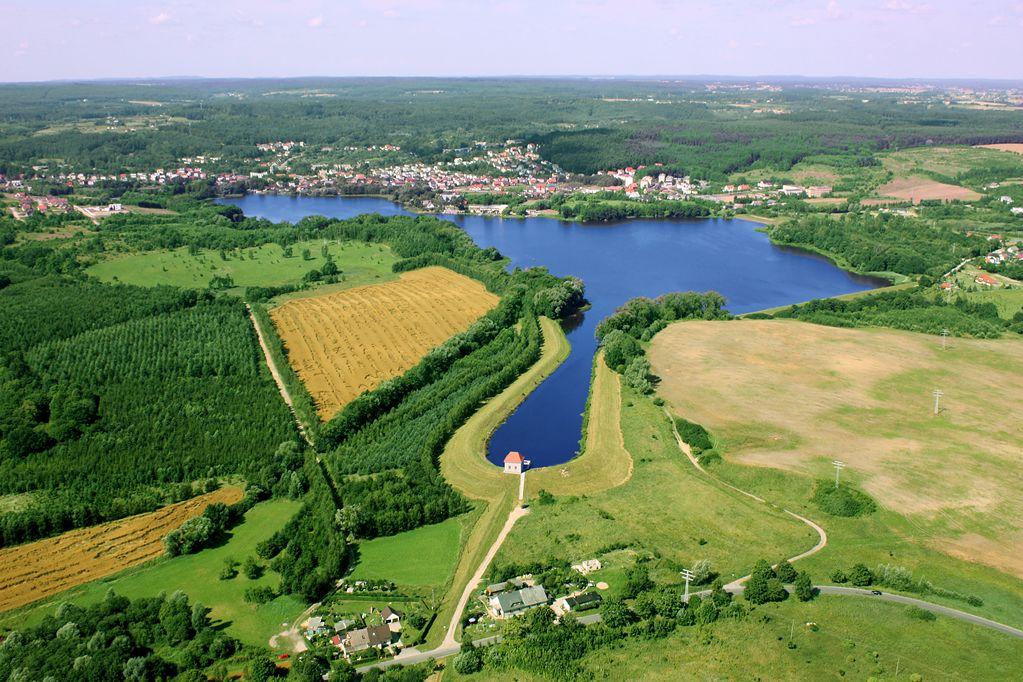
<point>986,280</point>
<point>378,637</point>
<point>509,604</point>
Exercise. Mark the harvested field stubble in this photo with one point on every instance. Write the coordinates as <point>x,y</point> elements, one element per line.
<point>344,343</point>
<point>39,569</point>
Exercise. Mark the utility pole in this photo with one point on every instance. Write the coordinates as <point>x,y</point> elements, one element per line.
<point>838,470</point>
<point>944,338</point>
<point>937,393</point>
<point>687,575</point>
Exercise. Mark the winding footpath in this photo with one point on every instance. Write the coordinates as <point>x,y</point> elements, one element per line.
<point>822,535</point>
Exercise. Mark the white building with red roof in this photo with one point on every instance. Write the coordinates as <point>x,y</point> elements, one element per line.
<point>514,463</point>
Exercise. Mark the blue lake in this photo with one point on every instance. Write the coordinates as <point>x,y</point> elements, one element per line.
<point>617,261</point>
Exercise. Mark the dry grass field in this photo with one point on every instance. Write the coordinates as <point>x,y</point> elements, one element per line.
<point>347,342</point>
<point>1014,147</point>
<point>916,189</point>
<point>46,567</point>
<point>796,396</point>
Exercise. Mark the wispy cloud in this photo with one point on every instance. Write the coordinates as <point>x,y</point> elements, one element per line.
<point>315,22</point>
<point>907,6</point>
<point>161,18</point>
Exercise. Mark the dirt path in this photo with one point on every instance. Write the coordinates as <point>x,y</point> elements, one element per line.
<point>822,535</point>
<point>292,639</point>
<point>449,638</point>
<point>277,375</point>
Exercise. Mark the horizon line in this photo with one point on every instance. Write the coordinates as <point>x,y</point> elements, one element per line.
<point>766,78</point>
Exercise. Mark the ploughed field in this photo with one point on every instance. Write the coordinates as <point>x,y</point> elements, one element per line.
<point>348,342</point>
<point>45,567</point>
<point>796,396</point>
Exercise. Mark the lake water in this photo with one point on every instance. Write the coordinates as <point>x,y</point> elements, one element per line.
<point>617,261</point>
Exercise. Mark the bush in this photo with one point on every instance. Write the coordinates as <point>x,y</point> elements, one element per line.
<point>839,576</point>
<point>786,573</point>
<point>763,585</point>
<point>918,613</point>
<point>804,587</point>
<point>695,435</point>
<point>842,500</point>
<point>860,576</point>
<point>469,661</point>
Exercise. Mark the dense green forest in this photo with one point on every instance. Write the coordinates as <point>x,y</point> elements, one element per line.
<point>137,397</point>
<point>882,243</point>
<point>582,125</point>
<point>912,310</point>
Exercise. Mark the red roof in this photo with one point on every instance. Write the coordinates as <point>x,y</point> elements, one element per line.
<point>514,457</point>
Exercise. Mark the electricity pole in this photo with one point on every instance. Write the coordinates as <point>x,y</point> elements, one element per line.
<point>944,338</point>
<point>687,575</point>
<point>838,470</point>
<point>937,393</point>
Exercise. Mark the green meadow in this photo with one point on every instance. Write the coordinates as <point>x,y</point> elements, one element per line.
<point>198,575</point>
<point>417,559</point>
<point>828,638</point>
<point>265,265</point>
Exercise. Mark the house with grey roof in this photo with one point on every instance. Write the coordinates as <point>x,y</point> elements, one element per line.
<point>515,602</point>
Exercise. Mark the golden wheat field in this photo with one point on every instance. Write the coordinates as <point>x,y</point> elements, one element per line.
<point>45,567</point>
<point>344,343</point>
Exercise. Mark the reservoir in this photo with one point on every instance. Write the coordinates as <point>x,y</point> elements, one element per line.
<point>617,262</point>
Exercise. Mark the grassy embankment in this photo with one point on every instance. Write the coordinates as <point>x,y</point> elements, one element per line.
<point>264,265</point>
<point>790,397</point>
<point>603,464</point>
<point>854,639</point>
<point>198,576</point>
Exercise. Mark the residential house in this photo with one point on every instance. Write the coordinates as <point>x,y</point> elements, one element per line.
<point>986,280</point>
<point>509,604</point>
<point>392,618</point>
<point>579,602</point>
<point>377,637</point>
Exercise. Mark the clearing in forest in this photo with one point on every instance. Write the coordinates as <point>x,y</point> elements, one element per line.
<point>796,396</point>
<point>347,342</point>
<point>916,189</point>
<point>45,567</point>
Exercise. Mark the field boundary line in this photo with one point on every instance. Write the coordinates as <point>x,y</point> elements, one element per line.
<point>275,373</point>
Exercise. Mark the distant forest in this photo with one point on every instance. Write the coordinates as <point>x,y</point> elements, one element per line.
<point>582,125</point>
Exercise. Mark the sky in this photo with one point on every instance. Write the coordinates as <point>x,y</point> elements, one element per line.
<point>90,39</point>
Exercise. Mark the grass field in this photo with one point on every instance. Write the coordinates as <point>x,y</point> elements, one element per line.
<point>198,576</point>
<point>418,559</point>
<point>264,265</point>
<point>795,396</point>
<point>39,569</point>
<point>855,639</point>
<point>348,342</point>
<point>665,509</point>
